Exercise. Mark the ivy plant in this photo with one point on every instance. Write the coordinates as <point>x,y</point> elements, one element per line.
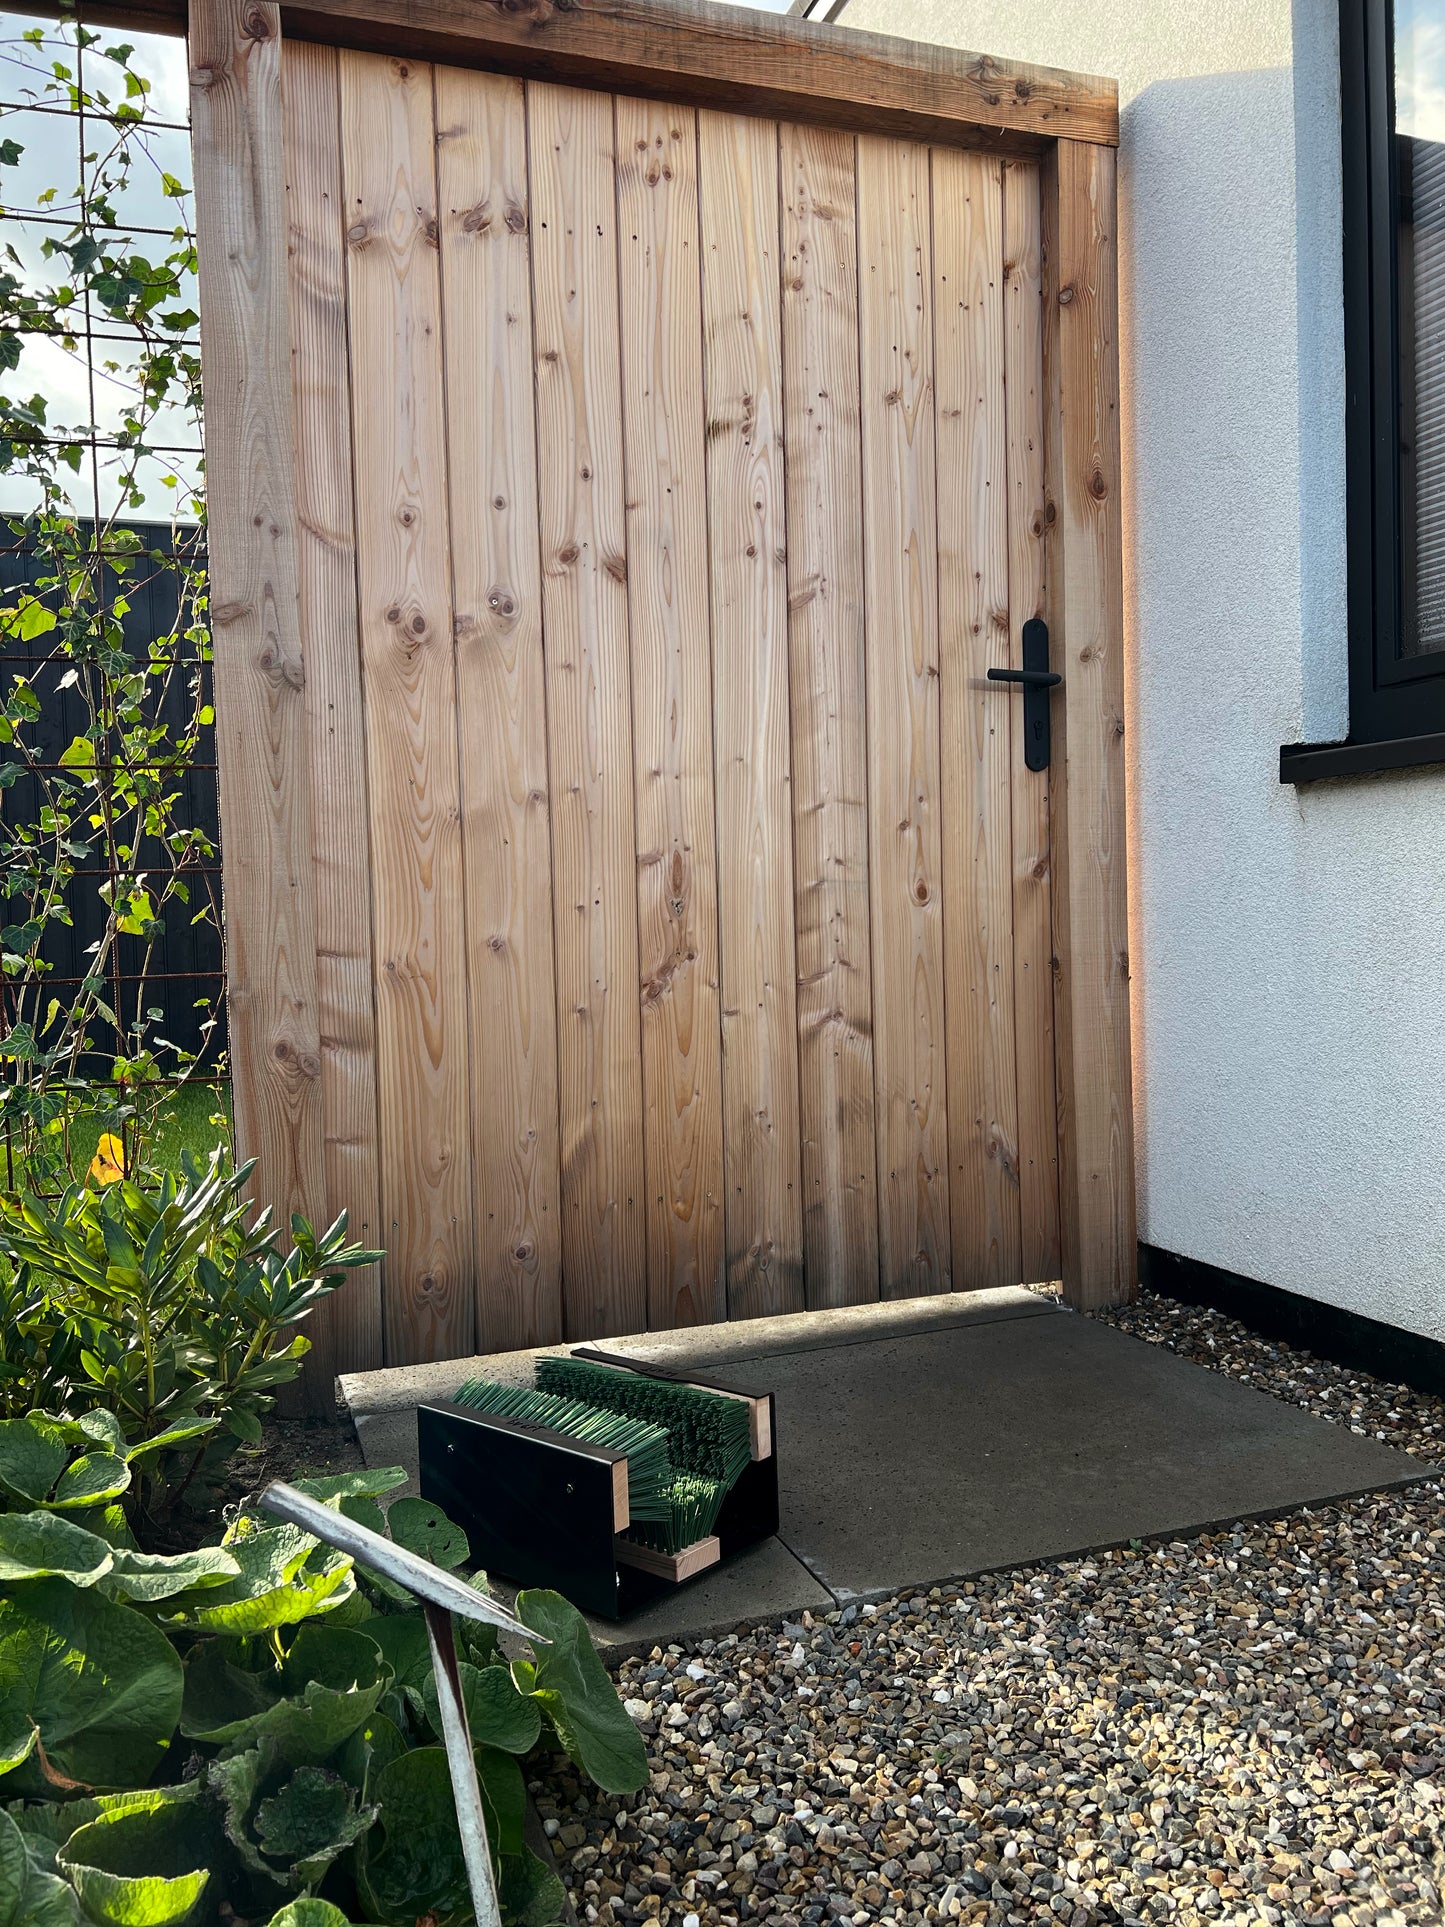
<point>109,812</point>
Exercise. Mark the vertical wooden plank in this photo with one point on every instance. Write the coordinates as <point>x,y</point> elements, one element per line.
<point>1032,870</point>
<point>260,684</point>
<point>900,598</point>
<point>1085,602</point>
<point>346,1329</point>
<point>829,739</point>
<point>501,704</point>
<point>663,438</point>
<point>403,593</point>
<point>584,615</point>
<point>974,722</point>
<point>746,511</point>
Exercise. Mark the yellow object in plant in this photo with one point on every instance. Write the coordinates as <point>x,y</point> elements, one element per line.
<point>108,1164</point>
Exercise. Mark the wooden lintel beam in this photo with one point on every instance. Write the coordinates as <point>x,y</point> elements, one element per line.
<point>713,56</point>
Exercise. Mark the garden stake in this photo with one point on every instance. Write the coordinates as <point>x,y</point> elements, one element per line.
<point>440,1596</point>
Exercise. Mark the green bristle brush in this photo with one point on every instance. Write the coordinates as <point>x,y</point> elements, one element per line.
<point>694,1507</point>
<point>709,1434</point>
<point>650,1473</point>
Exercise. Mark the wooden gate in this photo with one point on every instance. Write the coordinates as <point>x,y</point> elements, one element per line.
<point>639,909</point>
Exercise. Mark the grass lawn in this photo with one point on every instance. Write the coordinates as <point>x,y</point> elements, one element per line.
<point>195,1118</point>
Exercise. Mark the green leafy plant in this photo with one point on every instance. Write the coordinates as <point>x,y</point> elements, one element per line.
<point>257,1722</point>
<point>152,1322</point>
<point>109,817</point>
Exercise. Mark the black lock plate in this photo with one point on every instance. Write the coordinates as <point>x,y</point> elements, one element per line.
<point>1036,695</point>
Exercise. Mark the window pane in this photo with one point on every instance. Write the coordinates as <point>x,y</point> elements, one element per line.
<point>1420,127</point>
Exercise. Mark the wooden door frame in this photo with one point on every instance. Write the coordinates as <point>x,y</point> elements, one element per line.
<point>719,56</point>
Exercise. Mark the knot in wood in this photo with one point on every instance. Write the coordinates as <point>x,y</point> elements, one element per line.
<point>477,219</point>
<point>202,78</point>
<point>516,219</point>
<point>256,23</point>
<point>1098,487</point>
<point>501,602</point>
<point>524,1253</point>
<point>429,229</point>
<point>1066,295</point>
<point>568,555</point>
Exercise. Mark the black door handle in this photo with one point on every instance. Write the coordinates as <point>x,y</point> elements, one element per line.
<point>1035,679</point>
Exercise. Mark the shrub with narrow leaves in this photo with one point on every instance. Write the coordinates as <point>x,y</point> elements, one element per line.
<point>167,1304</point>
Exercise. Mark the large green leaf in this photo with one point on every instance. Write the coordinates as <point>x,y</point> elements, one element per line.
<point>531,1893</point>
<point>309,1912</point>
<point>403,1643</point>
<point>32,1457</point>
<point>223,1700</point>
<point>419,1868</point>
<point>17,1737</point>
<point>30,1897</point>
<point>161,1575</point>
<point>504,1800</point>
<point>571,1685</point>
<point>284,1577</point>
<point>137,1865</point>
<point>497,1714</point>
<point>425,1529</point>
<point>345,1485</point>
<point>308,1821</point>
<point>287,1825</point>
<point>102,1684</point>
<point>383,1742</point>
<point>38,1545</point>
<point>328,1688</point>
<point>91,1480</point>
<point>181,1433</point>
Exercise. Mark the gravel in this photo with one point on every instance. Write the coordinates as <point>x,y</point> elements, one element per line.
<point>1241,1727</point>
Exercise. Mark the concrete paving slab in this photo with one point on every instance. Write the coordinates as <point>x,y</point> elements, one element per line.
<point>383,1403</point>
<point>920,1458</point>
<point>934,1438</point>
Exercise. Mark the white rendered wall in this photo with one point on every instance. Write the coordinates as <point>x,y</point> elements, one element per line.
<point>1288,946</point>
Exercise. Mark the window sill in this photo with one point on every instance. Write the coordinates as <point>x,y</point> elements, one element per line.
<point>1314,762</point>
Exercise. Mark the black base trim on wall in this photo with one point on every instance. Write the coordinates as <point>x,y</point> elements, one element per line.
<point>1344,1337</point>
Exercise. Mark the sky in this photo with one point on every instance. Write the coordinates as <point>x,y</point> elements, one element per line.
<point>51,159</point>
<point>1420,68</point>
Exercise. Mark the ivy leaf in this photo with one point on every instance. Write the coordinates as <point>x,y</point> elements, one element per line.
<point>28,619</point>
<point>78,754</point>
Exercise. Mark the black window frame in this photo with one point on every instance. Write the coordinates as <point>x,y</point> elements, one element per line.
<point>1397,703</point>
